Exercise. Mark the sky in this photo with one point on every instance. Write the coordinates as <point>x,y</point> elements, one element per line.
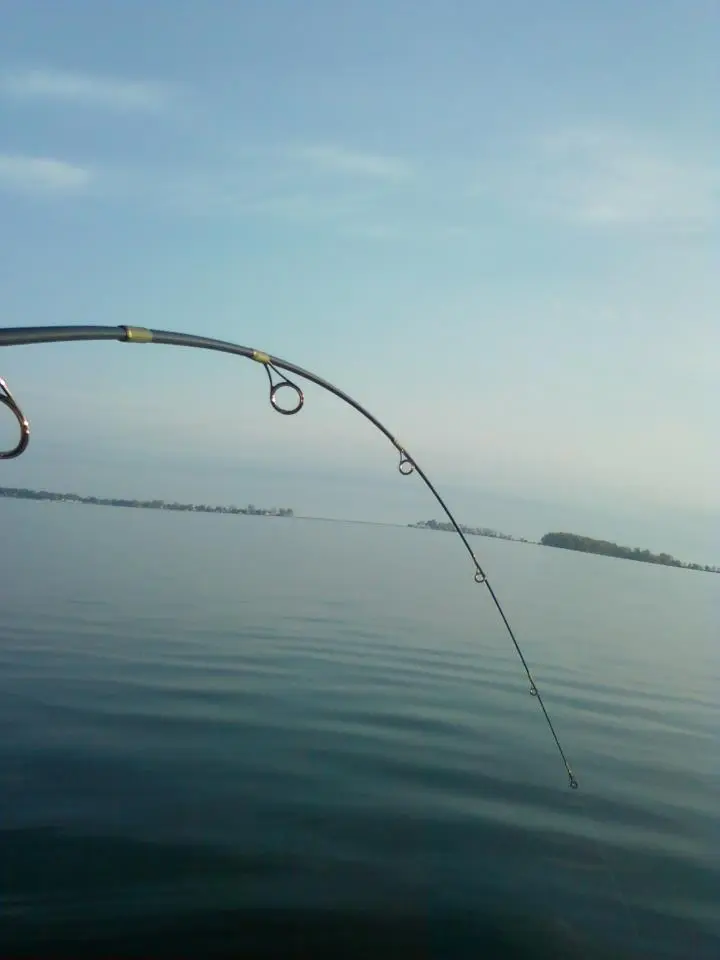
<point>495,225</point>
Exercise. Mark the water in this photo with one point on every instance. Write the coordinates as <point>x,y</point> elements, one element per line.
<point>243,736</point>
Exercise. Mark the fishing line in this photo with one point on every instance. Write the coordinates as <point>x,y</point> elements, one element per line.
<point>287,398</point>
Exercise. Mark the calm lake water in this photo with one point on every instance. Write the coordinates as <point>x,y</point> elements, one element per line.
<point>250,737</point>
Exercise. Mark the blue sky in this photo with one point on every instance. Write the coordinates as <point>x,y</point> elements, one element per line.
<point>494,224</point>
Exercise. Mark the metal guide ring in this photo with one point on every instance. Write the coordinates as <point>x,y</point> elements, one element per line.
<point>6,398</point>
<point>287,411</point>
<point>406,466</point>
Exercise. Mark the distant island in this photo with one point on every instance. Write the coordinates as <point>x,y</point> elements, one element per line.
<point>571,541</point>
<point>22,493</point>
<point>468,531</point>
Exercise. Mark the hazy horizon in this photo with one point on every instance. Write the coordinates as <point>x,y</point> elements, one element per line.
<point>371,492</point>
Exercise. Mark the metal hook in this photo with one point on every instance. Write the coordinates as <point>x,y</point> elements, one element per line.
<point>7,399</point>
<point>275,388</point>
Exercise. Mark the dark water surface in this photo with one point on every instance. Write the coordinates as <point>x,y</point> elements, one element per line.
<point>250,737</point>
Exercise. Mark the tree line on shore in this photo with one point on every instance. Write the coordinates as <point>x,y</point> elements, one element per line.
<point>470,531</point>
<point>572,541</point>
<point>566,541</point>
<point>22,493</point>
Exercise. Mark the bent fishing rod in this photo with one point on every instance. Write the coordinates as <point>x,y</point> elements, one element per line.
<point>276,370</point>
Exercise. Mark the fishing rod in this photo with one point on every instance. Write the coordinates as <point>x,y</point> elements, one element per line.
<point>293,403</point>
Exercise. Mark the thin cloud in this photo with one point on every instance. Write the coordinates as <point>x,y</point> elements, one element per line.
<point>338,160</point>
<point>607,180</point>
<point>78,89</point>
<point>310,184</point>
<point>43,175</point>
<point>228,196</point>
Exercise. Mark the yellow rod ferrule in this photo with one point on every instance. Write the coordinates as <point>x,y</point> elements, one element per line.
<point>138,335</point>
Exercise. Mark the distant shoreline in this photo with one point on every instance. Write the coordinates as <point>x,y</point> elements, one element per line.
<point>469,531</point>
<point>23,493</point>
<point>573,541</point>
<point>566,541</point>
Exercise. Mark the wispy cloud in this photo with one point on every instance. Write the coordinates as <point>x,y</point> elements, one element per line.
<point>229,196</point>
<point>609,180</point>
<point>332,159</point>
<point>43,175</point>
<point>309,184</point>
<point>79,89</point>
